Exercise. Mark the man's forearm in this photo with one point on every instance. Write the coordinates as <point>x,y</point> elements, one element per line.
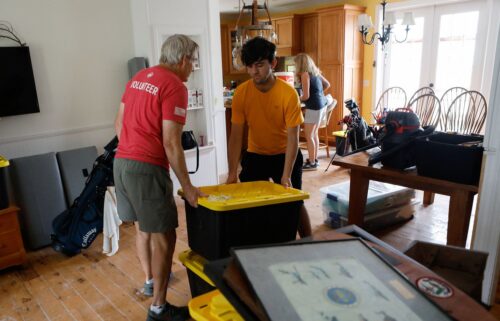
<point>177,161</point>
<point>292,148</point>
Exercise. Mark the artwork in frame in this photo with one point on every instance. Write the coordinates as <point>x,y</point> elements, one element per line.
<point>331,281</point>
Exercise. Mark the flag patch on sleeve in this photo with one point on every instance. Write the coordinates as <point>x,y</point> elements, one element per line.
<point>178,111</point>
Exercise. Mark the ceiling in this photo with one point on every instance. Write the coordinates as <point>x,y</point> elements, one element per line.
<point>231,6</point>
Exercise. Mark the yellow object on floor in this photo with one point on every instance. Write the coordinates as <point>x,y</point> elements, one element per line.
<point>228,197</point>
<point>3,162</point>
<point>195,263</point>
<point>212,306</point>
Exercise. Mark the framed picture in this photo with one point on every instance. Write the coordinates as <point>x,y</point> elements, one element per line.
<point>332,280</point>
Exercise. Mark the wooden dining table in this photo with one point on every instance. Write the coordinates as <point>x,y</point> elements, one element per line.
<point>461,195</point>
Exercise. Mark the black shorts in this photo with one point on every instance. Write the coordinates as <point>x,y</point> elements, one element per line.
<point>256,167</point>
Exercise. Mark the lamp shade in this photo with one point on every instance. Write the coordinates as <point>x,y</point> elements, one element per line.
<point>364,20</point>
<point>408,19</point>
<point>390,19</point>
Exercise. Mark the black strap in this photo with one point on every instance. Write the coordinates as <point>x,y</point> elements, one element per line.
<point>197,160</point>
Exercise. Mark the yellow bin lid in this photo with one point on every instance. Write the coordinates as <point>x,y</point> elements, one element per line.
<point>3,162</point>
<point>195,263</point>
<point>228,197</point>
<point>212,306</point>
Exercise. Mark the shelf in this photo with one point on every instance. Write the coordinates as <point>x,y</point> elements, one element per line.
<point>202,148</point>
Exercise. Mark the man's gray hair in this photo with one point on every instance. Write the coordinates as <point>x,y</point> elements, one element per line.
<point>176,47</point>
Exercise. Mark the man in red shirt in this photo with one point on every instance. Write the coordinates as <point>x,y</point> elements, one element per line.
<point>149,126</point>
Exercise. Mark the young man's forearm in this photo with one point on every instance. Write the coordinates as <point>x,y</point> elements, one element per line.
<point>292,148</point>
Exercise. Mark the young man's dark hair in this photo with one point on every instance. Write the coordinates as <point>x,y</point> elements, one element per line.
<point>257,49</point>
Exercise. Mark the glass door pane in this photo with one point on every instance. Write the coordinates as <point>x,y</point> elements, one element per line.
<point>456,47</point>
<point>404,61</point>
<point>444,49</point>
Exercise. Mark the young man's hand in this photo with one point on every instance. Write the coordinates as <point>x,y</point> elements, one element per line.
<point>232,178</point>
<point>286,182</point>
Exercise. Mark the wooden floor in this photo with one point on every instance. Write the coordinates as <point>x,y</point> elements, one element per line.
<point>93,286</point>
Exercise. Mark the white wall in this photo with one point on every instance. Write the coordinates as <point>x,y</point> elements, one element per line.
<point>79,51</point>
<point>186,16</point>
<point>487,234</point>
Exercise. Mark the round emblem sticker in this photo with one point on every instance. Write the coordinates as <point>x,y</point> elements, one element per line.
<point>341,296</point>
<point>435,287</point>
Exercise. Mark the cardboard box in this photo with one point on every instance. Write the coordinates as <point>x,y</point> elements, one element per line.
<point>463,268</point>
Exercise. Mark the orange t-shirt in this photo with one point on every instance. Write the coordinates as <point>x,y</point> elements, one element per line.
<point>268,115</point>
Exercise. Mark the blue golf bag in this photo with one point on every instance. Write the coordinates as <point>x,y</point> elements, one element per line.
<point>77,227</point>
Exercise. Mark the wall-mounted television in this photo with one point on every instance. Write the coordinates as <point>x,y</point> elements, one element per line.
<point>17,83</point>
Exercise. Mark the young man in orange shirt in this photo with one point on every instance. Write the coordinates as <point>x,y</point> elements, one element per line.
<point>270,108</point>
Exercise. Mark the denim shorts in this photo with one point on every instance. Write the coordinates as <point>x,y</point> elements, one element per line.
<point>314,116</point>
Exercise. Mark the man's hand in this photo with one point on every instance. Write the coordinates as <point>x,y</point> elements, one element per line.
<point>191,194</point>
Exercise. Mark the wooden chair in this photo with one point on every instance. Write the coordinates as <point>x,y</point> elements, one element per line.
<point>420,92</point>
<point>446,100</point>
<point>428,108</point>
<point>391,98</point>
<point>323,125</point>
<point>467,114</point>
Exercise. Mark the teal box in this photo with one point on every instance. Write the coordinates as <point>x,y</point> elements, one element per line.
<point>380,196</point>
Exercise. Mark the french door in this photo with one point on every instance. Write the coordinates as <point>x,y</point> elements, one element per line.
<point>444,49</point>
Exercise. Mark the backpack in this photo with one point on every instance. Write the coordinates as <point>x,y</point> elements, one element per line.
<point>77,227</point>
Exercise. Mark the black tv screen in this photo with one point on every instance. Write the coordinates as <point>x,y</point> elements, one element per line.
<point>17,83</point>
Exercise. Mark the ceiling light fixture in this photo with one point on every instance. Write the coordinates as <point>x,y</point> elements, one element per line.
<point>388,22</point>
<point>262,27</point>
<point>256,27</point>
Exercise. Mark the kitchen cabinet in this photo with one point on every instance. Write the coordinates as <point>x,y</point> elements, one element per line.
<point>224,42</point>
<point>340,56</point>
<point>309,35</point>
<point>288,31</point>
<point>11,243</point>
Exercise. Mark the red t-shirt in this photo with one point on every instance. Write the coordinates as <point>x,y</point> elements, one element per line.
<point>151,96</point>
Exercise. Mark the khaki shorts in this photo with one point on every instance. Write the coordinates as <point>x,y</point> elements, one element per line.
<point>144,193</point>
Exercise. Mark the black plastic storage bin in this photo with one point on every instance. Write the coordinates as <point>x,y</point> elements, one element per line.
<point>444,156</point>
<point>4,196</point>
<point>197,285</point>
<point>253,213</point>
<point>212,234</point>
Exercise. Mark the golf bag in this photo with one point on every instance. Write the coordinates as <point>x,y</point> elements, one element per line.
<point>359,133</point>
<point>77,227</point>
